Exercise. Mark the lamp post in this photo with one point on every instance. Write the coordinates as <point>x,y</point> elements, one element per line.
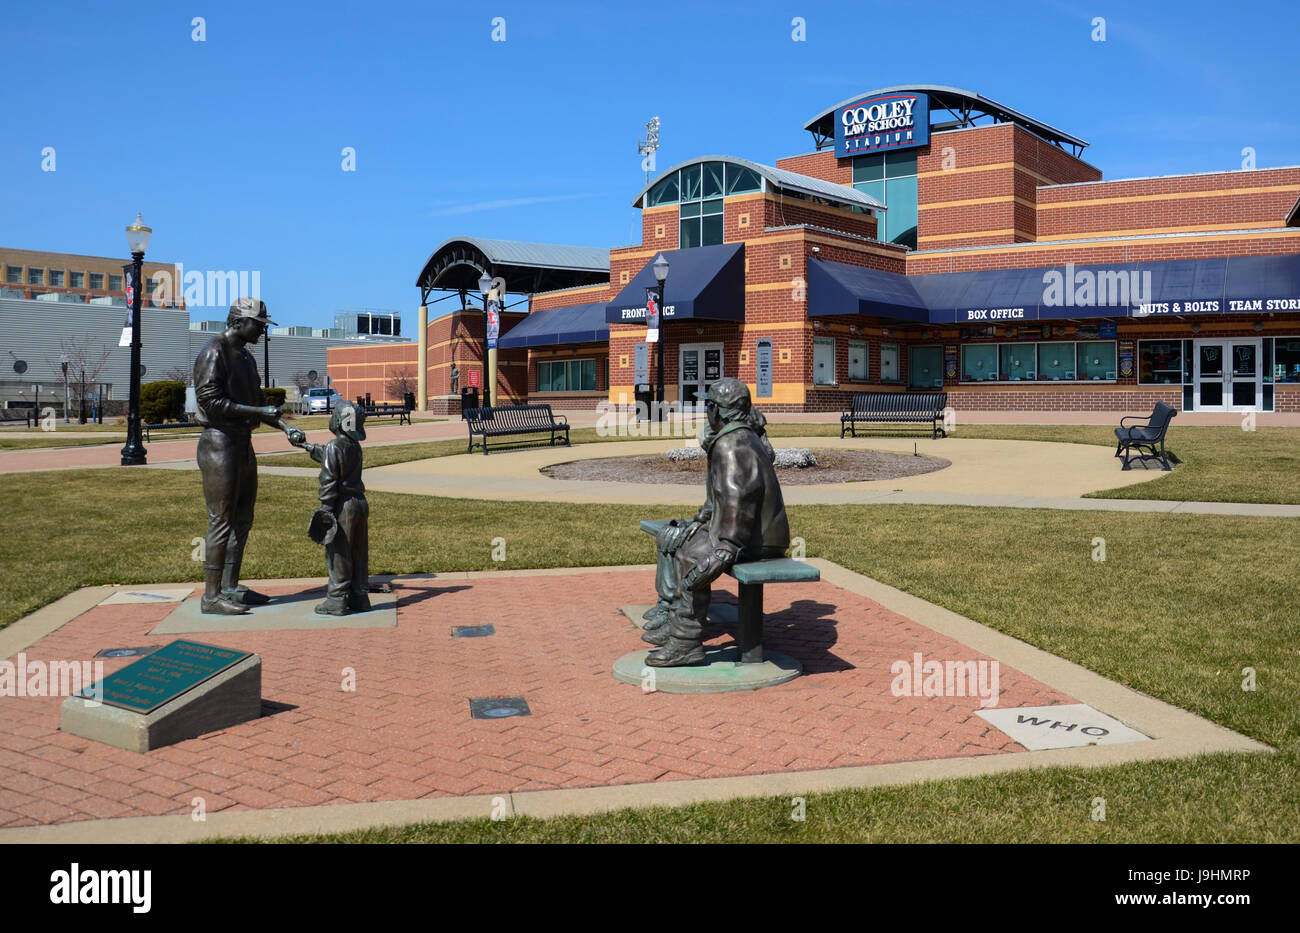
<point>81,390</point>
<point>660,267</point>
<point>137,240</point>
<point>64,361</point>
<point>489,339</point>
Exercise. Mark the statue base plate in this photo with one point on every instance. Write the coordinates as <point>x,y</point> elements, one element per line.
<point>721,672</point>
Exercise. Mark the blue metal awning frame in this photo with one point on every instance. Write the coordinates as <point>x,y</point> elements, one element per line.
<point>1218,285</point>
<point>704,283</point>
<point>583,323</point>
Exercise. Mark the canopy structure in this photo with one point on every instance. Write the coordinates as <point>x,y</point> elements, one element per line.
<point>1178,287</point>
<point>573,324</point>
<point>845,289</point>
<point>765,178</point>
<point>527,268</point>
<point>966,108</point>
<point>703,282</point>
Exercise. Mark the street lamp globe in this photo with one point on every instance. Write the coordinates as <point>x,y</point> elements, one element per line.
<point>660,266</point>
<point>485,284</point>
<point>137,235</point>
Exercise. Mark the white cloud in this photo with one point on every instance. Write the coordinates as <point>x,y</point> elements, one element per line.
<point>476,206</point>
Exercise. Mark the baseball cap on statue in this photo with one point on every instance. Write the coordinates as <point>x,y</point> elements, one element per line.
<point>727,393</point>
<point>251,307</point>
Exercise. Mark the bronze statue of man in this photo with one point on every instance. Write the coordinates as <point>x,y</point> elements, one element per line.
<point>743,518</point>
<point>230,405</point>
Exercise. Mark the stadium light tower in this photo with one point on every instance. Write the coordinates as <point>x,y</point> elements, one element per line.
<point>647,146</point>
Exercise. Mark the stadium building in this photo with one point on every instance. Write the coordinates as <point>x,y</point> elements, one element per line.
<point>932,239</point>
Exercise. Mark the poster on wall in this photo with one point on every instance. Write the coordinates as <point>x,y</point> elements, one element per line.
<point>712,365</point>
<point>475,378</point>
<point>950,362</point>
<point>1125,359</point>
<point>763,367</point>
<point>641,371</point>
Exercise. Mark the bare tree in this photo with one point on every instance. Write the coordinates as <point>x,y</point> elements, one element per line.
<point>305,381</point>
<point>182,374</point>
<point>86,360</point>
<point>399,382</point>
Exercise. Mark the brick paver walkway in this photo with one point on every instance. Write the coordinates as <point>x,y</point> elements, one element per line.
<point>406,732</point>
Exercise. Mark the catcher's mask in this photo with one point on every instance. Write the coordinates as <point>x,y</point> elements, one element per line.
<point>348,420</point>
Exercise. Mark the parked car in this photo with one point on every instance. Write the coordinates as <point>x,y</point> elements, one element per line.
<point>321,399</point>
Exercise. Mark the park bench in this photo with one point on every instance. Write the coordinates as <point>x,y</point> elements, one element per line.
<point>505,420</point>
<point>895,407</point>
<point>386,410</point>
<point>24,415</point>
<point>751,577</point>
<point>1145,437</point>
<point>169,425</point>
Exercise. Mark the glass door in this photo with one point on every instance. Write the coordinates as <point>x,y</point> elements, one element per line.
<point>1227,375</point>
<point>699,365</point>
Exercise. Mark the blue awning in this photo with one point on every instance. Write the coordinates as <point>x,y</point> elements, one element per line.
<point>571,324</point>
<point>838,288</point>
<point>703,282</point>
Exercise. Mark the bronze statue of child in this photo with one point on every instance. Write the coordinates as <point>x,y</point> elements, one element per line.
<point>341,522</point>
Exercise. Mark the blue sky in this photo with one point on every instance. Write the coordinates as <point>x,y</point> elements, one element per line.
<point>236,162</point>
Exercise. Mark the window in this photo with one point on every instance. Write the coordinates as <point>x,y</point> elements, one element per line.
<point>824,361</point>
<point>56,277</point>
<point>699,189</point>
<point>1056,361</point>
<point>76,280</point>
<point>1286,359</point>
<point>925,367</point>
<point>1018,361</point>
<point>979,363</point>
<point>701,223</point>
<point>566,376</point>
<point>13,275</point>
<point>890,177</point>
<point>35,276</point>
<point>1160,362</point>
<point>889,371</point>
<point>114,283</point>
<point>1096,360</point>
<point>857,361</point>
<point>97,280</point>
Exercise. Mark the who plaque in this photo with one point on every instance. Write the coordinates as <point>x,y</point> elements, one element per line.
<point>181,691</point>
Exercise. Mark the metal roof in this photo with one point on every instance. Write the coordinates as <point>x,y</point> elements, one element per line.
<point>964,106</point>
<point>781,178</point>
<point>527,268</point>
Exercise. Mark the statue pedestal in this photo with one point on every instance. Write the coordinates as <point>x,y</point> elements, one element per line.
<point>722,672</point>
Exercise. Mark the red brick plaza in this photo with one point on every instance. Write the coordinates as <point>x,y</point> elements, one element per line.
<point>405,732</point>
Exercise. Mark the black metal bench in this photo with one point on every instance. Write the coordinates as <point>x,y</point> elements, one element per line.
<point>895,407</point>
<point>751,575</point>
<point>401,412</point>
<point>169,425</point>
<point>25,415</point>
<point>505,420</point>
<point>1145,437</point>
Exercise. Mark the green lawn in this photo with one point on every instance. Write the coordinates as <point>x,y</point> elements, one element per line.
<point>1227,600</point>
<point>1217,464</point>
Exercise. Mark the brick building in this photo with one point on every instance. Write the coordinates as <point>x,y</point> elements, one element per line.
<point>937,239</point>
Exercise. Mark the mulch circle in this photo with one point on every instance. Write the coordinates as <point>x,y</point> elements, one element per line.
<point>833,466</point>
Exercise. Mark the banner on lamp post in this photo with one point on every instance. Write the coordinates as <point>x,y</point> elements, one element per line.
<point>493,323</point>
<point>128,276</point>
<point>651,315</point>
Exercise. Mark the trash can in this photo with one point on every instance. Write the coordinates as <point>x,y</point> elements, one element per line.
<point>468,399</point>
<point>409,400</point>
<point>645,395</point>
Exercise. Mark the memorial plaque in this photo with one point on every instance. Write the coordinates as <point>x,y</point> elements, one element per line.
<point>164,675</point>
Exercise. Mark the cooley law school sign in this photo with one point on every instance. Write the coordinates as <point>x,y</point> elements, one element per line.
<point>878,124</point>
